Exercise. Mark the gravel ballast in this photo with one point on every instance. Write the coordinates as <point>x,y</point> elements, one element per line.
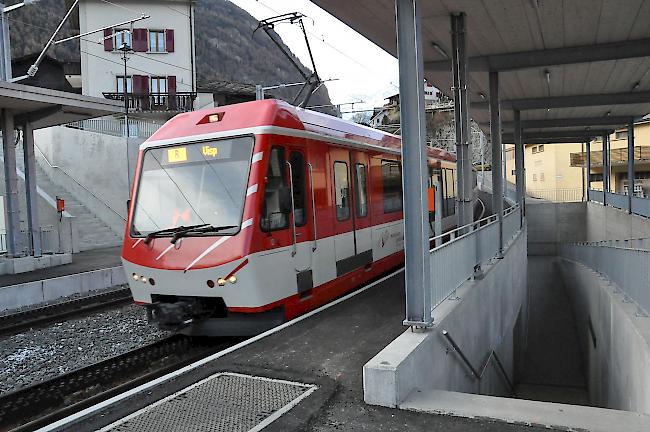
<point>37,355</point>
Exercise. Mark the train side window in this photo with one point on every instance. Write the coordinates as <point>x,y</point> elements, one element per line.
<point>391,178</point>
<point>272,216</point>
<point>342,190</point>
<point>297,161</point>
<point>360,190</point>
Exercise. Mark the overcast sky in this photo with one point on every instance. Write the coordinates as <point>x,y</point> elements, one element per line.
<point>364,71</point>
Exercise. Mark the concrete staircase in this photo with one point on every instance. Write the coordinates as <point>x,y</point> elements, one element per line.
<point>93,232</point>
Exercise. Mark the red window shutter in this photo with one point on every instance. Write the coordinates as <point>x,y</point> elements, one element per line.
<point>108,39</point>
<point>171,84</point>
<point>140,40</point>
<point>169,40</point>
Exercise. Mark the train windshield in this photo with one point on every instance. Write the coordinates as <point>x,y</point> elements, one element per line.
<point>193,184</point>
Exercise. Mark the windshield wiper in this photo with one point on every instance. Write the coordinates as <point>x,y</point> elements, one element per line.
<point>199,230</point>
<point>165,231</point>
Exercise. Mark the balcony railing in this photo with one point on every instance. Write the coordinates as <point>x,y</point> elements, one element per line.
<point>618,156</point>
<point>156,102</point>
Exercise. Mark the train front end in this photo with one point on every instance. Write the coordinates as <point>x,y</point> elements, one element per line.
<point>189,233</point>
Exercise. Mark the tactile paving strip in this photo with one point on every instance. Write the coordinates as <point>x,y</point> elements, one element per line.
<point>225,402</point>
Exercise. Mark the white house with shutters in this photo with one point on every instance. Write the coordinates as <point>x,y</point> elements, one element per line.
<point>160,70</point>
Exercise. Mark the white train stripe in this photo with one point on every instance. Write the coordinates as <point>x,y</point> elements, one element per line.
<point>218,243</point>
<point>257,157</point>
<point>170,247</point>
<point>251,190</point>
<point>136,243</point>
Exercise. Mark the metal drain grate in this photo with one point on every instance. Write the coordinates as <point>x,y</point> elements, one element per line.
<point>227,402</point>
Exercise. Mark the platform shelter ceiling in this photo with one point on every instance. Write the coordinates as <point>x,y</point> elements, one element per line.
<point>555,57</point>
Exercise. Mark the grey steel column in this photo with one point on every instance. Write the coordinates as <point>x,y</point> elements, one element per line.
<point>630,165</point>
<point>31,194</point>
<point>12,209</point>
<point>588,146</point>
<point>605,139</point>
<point>495,131</point>
<point>519,162</point>
<point>414,158</point>
<point>461,116</point>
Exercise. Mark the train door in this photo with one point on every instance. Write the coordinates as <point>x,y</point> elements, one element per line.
<point>352,249</point>
<point>360,165</point>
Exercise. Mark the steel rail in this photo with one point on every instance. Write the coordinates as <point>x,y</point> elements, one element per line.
<point>16,322</point>
<point>43,403</point>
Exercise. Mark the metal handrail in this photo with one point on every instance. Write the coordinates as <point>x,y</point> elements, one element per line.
<point>75,180</point>
<point>293,209</point>
<point>479,376</point>
<point>313,204</point>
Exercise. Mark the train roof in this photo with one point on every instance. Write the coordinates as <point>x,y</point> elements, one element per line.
<point>255,116</point>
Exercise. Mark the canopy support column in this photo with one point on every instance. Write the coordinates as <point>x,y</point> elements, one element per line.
<point>605,167</point>
<point>519,164</point>
<point>495,131</point>
<point>12,208</point>
<point>461,116</point>
<point>414,162</point>
<point>630,164</point>
<point>31,193</point>
<point>588,147</point>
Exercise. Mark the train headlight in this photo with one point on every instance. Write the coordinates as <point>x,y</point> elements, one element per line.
<point>221,281</point>
<point>135,276</point>
<point>143,279</point>
<point>232,279</point>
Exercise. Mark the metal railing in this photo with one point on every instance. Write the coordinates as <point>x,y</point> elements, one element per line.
<point>115,127</point>
<point>618,156</point>
<point>558,195</point>
<point>640,206</point>
<point>628,268</point>
<point>633,243</point>
<point>50,241</point>
<point>466,250</point>
<point>148,102</point>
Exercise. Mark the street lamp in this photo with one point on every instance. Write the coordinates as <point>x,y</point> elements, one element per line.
<point>125,48</point>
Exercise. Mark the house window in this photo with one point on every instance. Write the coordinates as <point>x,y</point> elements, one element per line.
<point>620,135</point>
<point>541,177</point>
<point>157,41</point>
<point>534,149</point>
<point>121,36</point>
<point>158,86</point>
<point>540,148</point>
<point>534,177</point>
<point>119,84</point>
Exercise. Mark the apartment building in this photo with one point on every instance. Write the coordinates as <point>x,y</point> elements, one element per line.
<point>160,77</point>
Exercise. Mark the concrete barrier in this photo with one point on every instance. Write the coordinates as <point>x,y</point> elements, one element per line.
<point>614,340</point>
<point>481,318</point>
<point>30,293</point>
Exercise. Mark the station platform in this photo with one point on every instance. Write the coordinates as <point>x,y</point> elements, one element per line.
<point>89,271</point>
<point>319,360</point>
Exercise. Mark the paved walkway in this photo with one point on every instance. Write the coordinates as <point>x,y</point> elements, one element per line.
<point>81,262</point>
<point>328,349</point>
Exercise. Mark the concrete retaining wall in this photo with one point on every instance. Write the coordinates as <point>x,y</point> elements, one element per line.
<point>614,340</point>
<point>551,223</point>
<point>31,293</point>
<point>483,318</point>
<point>609,223</point>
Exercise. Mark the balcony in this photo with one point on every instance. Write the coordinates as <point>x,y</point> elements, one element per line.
<point>618,157</point>
<point>156,102</point>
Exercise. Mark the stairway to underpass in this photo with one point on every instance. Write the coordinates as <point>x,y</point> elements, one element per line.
<point>553,369</point>
<point>93,232</point>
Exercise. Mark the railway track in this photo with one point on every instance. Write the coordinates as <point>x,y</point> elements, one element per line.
<point>16,322</point>
<point>37,405</point>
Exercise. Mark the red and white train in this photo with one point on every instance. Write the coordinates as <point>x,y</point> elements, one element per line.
<point>248,215</point>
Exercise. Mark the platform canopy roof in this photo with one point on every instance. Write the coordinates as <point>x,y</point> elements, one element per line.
<point>567,65</point>
<point>44,107</point>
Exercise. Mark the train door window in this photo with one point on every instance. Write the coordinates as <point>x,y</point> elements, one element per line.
<point>342,190</point>
<point>391,176</point>
<point>297,162</point>
<point>272,216</point>
<point>360,190</point>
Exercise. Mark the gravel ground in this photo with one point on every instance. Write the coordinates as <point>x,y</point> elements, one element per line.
<point>40,354</point>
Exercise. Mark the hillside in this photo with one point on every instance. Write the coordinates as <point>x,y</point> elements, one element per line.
<point>225,46</point>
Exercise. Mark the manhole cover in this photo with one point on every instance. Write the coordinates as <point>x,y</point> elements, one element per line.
<point>227,402</point>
